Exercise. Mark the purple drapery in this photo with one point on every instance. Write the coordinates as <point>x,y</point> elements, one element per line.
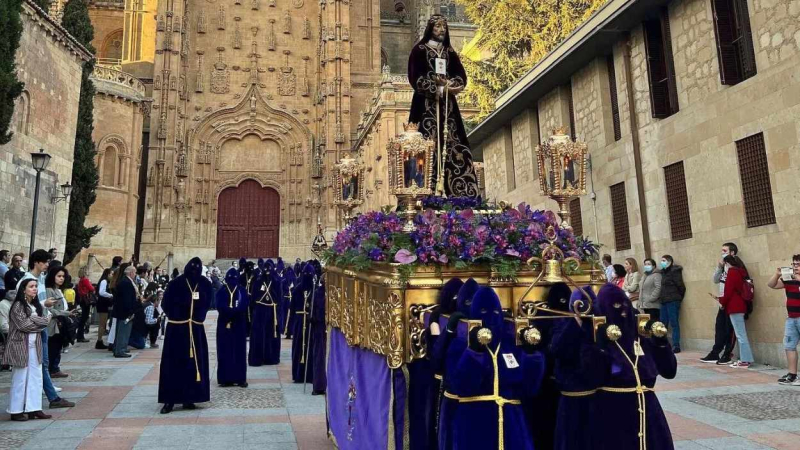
<point>359,396</point>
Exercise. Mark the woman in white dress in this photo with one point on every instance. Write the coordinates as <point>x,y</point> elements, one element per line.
<point>27,318</point>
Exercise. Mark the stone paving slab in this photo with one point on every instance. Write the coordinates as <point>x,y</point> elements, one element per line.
<point>708,407</point>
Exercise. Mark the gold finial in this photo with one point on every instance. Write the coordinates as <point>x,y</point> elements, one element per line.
<point>658,329</point>
<point>562,130</point>
<point>484,336</point>
<point>613,333</point>
<point>532,336</point>
<point>411,126</point>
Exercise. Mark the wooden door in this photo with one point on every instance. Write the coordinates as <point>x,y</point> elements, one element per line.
<point>248,224</point>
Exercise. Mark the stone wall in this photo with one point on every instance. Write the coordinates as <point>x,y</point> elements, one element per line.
<point>702,135</point>
<point>45,117</point>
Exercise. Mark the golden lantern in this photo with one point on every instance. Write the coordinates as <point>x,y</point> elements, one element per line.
<point>349,185</point>
<point>410,170</point>
<point>562,170</point>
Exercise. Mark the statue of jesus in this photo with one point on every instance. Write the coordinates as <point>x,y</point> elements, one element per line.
<point>436,74</point>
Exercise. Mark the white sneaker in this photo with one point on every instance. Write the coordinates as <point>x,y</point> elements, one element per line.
<point>796,382</point>
<point>58,389</point>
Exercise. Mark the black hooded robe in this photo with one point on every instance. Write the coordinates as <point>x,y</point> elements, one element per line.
<point>184,360</point>
<point>231,332</point>
<point>459,177</point>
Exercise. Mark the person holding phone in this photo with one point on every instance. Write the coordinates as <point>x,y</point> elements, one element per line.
<point>736,307</point>
<point>789,280</point>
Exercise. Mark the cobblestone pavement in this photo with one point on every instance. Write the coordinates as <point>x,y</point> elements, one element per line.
<point>708,407</point>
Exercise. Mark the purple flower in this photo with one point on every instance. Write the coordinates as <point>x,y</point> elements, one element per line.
<point>404,256</point>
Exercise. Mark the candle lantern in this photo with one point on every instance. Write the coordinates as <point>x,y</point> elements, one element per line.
<point>410,170</point>
<point>562,170</point>
<point>349,176</point>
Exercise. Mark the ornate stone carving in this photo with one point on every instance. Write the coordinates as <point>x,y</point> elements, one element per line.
<point>182,87</point>
<point>162,125</point>
<point>254,4</point>
<point>271,3</point>
<point>297,3</point>
<point>287,81</point>
<point>331,33</point>
<point>201,22</point>
<point>182,165</point>
<point>306,28</point>
<point>157,83</point>
<point>173,83</point>
<point>221,17</point>
<point>168,36</point>
<point>339,139</point>
<point>271,36</point>
<point>160,23</point>
<point>220,77</point>
<point>167,176</point>
<point>305,89</point>
<point>198,84</point>
<point>237,35</point>
<point>346,33</point>
<point>151,176</point>
<point>287,22</point>
<point>177,24</point>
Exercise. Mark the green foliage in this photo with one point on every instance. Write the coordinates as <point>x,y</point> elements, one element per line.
<point>517,33</point>
<point>84,171</point>
<point>10,86</point>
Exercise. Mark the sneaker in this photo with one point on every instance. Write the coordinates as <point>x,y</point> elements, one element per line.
<point>58,389</point>
<point>59,375</point>
<point>789,378</point>
<point>709,359</point>
<point>61,403</point>
<point>724,361</point>
<point>741,365</point>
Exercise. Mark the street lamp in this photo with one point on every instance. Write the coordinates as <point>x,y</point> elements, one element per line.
<point>562,170</point>
<point>66,190</point>
<point>40,161</point>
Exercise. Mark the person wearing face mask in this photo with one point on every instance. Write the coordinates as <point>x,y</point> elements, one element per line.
<point>490,379</point>
<point>736,307</point>
<point>724,336</point>
<point>672,292</point>
<point>650,290</point>
<point>628,413</point>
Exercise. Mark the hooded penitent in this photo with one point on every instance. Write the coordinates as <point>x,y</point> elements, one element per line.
<point>491,384</point>
<point>302,297</point>
<point>464,297</point>
<point>287,284</point>
<point>232,331</point>
<point>629,419</point>
<point>265,339</point>
<point>460,179</point>
<point>280,267</point>
<point>558,297</point>
<point>184,361</point>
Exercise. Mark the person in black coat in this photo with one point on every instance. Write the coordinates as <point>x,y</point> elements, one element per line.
<point>672,291</point>
<point>126,302</point>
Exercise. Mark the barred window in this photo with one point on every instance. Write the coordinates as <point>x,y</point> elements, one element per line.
<point>619,211</point>
<point>756,187</point>
<point>575,217</point>
<point>660,66</point>
<point>680,222</point>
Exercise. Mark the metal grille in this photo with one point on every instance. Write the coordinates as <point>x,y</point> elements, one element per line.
<point>680,223</point>
<point>575,217</point>
<point>612,87</point>
<point>756,188</point>
<point>619,211</point>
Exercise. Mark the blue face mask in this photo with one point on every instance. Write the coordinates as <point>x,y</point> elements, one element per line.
<point>648,269</point>
<point>664,264</point>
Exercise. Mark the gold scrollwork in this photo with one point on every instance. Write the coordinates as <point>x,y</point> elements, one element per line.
<point>394,355</point>
<point>416,329</point>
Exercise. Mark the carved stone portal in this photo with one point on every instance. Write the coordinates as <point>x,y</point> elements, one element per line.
<point>287,82</point>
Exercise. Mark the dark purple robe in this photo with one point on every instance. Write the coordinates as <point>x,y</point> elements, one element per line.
<point>265,339</point>
<point>301,332</point>
<point>184,360</point>
<point>231,333</point>
<point>318,340</point>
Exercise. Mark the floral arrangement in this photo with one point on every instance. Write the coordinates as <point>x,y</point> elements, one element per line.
<point>458,237</point>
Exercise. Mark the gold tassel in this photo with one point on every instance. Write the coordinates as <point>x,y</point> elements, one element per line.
<point>191,351</point>
<point>228,326</point>
<point>198,377</point>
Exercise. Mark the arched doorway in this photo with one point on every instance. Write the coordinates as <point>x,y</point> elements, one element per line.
<point>248,224</point>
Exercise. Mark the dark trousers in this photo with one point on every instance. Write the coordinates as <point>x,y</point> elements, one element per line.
<point>724,337</point>
<point>85,310</point>
<point>152,333</point>
<point>655,313</point>
<point>122,336</point>
<point>54,346</point>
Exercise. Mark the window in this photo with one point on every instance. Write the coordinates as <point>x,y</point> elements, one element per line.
<point>575,217</point>
<point>660,67</point>
<point>109,169</point>
<point>680,222</point>
<point>756,188</point>
<point>612,89</point>
<point>508,145</point>
<point>737,59</point>
<point>619,212</point>
<point>571,104</point>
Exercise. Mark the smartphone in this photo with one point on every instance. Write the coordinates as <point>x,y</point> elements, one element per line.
<point>787,273</point>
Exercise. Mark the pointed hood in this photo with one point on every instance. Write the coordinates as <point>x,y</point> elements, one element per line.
<point>577,296</point>
<point>448,295</point>
<point>616,307</point>
<point>193,269</point>
<point>232,277</point>
<point>486,307</point>
<point>280,267</point>
<point>558,297</point>
<point>464,298</point>
<point>261,263</point>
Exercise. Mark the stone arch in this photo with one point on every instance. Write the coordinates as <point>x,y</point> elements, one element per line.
<point>113,161</point>
<point>111,50</point>
<point>22,112</point>
<point>385,60</point>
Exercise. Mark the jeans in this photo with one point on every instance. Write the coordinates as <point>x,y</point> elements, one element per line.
<point>670,315</point>
<point>47,383</point>
<point>724,338</point>
<point>121,338</point>
<point>136,340</point>
<point>745,353</point>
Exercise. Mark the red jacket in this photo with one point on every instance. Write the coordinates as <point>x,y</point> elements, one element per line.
<point>84,287</point>
<point>732,300</point>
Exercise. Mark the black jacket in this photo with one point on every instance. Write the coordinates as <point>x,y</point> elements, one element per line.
<point>125,300</point>
<point>672,287</point>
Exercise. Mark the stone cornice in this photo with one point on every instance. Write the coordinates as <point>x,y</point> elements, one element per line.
<point>55,30</point>
<point>116,83</point>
